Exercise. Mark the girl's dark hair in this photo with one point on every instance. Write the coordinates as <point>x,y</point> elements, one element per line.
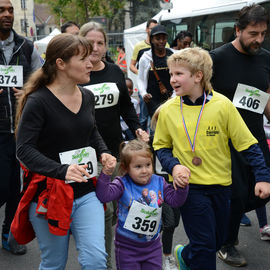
<point>62,46</point>
<point>251,14</point>
<point>131,148</point>
<point>181,35</point>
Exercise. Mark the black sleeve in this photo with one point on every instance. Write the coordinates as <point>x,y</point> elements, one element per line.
<point>127,110</point>
<point>256,160</point>
<point>214,57</point>
<point>29,128</point>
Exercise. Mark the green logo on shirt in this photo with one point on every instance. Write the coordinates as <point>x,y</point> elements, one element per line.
<point>80,155</point>
<point>8,69</point>
<point>102,89</point>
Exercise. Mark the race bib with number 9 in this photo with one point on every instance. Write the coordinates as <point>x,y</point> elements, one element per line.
<point>11,76</point>
<point>106,94</point>
<point>82,156</point>
<point>250,98</point>
<point>143,219</point>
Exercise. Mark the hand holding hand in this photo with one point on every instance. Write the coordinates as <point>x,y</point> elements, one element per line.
<point>262,189</point>
<point>181,176</point>
<point>142,135</point>
<point>109,162</point>
<point>76,173</point>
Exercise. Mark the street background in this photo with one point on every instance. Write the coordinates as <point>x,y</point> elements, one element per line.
<point>256,251</point>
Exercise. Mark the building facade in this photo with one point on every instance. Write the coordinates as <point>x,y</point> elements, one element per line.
<point>24,17</point>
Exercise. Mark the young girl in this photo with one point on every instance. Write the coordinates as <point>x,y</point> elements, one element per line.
<point>193,129</point>
<point>137,240</point>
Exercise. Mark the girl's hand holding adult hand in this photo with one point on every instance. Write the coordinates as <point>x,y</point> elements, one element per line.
<point>77,172</point>
<point>109,162</point>
<point>181,176</point>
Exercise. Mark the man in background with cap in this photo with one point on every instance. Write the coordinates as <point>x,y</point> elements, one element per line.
<point>153,77</point>
<point>138,51</point>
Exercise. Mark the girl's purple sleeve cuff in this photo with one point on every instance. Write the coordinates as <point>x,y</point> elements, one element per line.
<point>106,190</point>
<point>175,198</point>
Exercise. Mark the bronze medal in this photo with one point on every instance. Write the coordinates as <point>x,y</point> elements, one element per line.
<point>196,161</point>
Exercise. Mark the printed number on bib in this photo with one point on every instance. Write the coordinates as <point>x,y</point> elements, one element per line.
<point>250,98</point>
<point>90,168</point>
<point>106,94</point>
<point>143,219</point>
<point>11,76</point>
<point>82,156</point>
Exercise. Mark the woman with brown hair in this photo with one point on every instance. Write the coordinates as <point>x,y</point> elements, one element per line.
<point>58,142</point>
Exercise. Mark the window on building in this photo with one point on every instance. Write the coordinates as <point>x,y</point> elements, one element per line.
<point>23,25</point>
<point>23,4</point>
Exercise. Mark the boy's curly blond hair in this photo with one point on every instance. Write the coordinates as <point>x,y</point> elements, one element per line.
<point>195,59</point>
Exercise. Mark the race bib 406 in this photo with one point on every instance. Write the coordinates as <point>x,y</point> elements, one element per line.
<point>250,98</point>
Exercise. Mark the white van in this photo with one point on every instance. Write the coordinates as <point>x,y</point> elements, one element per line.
<point>211,25</point>
<point>211,22</point>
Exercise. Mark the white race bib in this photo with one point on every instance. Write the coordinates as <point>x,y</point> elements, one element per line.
<point>250,98</point>
<point>106,94</point>
<point>143,219</point>
<point>82,156</point>
<point>11,76</point>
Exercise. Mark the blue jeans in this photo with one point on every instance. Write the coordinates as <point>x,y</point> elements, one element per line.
<point>87,229</point>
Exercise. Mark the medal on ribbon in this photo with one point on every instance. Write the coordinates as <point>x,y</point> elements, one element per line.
<point>197,161</point>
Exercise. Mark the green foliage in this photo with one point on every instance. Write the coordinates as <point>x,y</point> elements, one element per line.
<point>82,10</point>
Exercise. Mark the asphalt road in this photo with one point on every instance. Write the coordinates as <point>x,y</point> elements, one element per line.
<point>256,251</point>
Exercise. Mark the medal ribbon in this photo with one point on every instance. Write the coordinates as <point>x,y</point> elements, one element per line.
<point>197,125</point>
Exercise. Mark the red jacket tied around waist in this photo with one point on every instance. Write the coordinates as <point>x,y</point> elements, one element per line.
<point>54,203</point>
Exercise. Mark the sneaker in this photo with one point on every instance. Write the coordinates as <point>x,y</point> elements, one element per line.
<point>180,262</point>
<point>231,256</point>
<point>169,263</point>
<point>12,246</point>
<point>245,221</point>
<point>265,233</point>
